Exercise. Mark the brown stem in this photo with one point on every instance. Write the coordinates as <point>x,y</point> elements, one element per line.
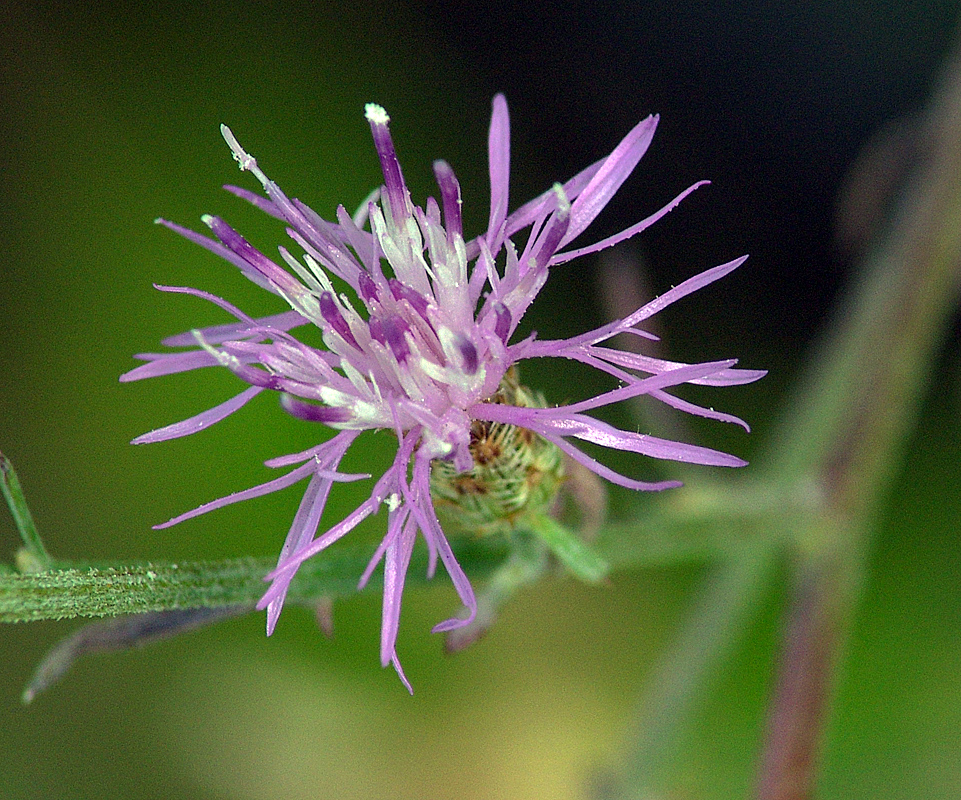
<point>801,698</point>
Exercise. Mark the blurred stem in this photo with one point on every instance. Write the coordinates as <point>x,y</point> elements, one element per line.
<point>719,615</point>
<point>849,426</point>
<point>823,594</point>
<point>859,399</point>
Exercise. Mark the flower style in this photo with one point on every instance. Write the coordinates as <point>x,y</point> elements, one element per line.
<point>426,352</point>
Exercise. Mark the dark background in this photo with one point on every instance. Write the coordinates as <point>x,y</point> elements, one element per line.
<point>108,118</point>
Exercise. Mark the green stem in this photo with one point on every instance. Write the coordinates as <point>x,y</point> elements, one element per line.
<point>86,591</point>
<point>701,524</point>
<point>572,551</point>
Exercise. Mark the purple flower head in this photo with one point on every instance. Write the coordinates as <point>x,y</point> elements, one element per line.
<point>421,346</point>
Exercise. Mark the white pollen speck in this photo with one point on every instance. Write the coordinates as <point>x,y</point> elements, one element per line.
<point>376,114</point>
<point>392,502</point>
<point>241,156</point>
<point>563,203</point>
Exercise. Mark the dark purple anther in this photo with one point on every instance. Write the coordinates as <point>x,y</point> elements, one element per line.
<point>366,287</point>
<point>376,328</point>
<point>238,245</point>
<point>468,354</point>
<point>256,377</point>
<point>393,178</point>
<point>313,413</point>
<point>333,317</point>
<point>403,292</point>
<point>394,328</point>
<point>450,197</point>
<point>502,323</point>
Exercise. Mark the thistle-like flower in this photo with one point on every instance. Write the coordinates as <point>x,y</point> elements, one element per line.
<point>421,346</point>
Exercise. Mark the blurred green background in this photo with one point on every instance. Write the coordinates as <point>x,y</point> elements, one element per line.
<point>108,119</point>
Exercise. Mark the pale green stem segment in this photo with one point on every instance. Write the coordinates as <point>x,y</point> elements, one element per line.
<point>79,590</point>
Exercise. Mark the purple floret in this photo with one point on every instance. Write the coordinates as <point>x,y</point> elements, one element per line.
<point>422,347</point>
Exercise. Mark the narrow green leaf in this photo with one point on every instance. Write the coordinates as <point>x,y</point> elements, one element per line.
<point>572,551</point>
<point>35,556</point>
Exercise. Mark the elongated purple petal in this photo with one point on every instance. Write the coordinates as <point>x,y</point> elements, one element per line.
<point>217,334</point>
<point>396,561</point>
<point>673,377</point>
<point>219,250</point>
<point>396,520</point>
<point>275,275</point>
<point>168,364</point>
<point>644,312</point>
<point>255,200</point>
<point>698,411</point>
<point>591,430</point>
<point>303,528</point>
<point>499,158</point>
<point>326,454</point>
<point>606,472</point>
<point>201,421</point>
<point>608,179</point>
<point>247,494</point>
<point>689,286</point>
<point>636,361</point>
<point>280,576</point>
<point>427,518</point>
<point>524,216</point>
<point>627,233</point>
